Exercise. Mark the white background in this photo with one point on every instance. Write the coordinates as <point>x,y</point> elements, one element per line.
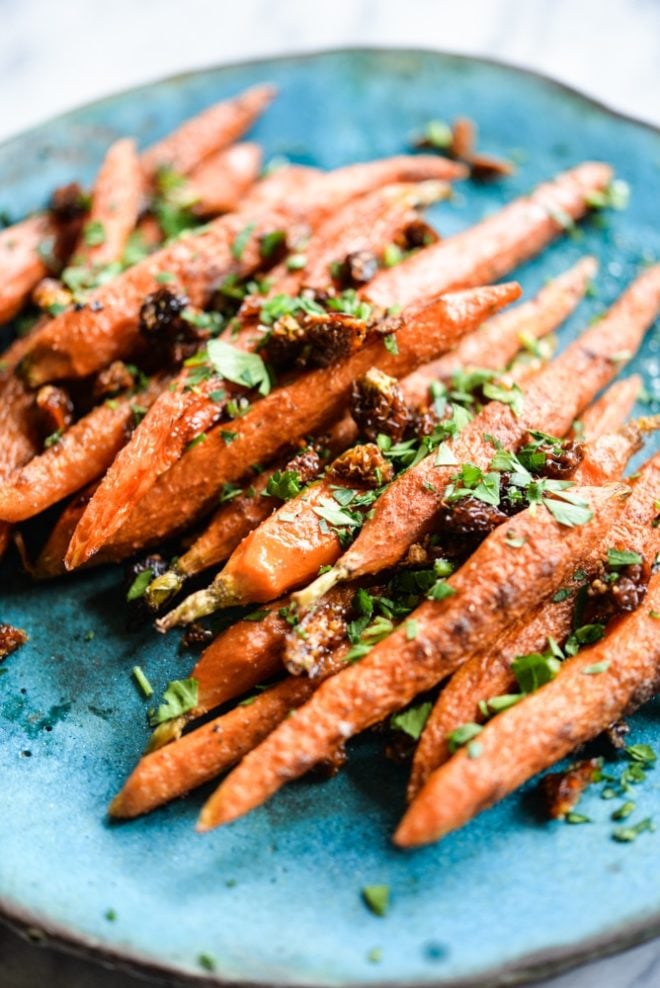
<point>55,54</point>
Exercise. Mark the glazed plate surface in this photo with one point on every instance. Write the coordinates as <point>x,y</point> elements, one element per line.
<point>275,898</point>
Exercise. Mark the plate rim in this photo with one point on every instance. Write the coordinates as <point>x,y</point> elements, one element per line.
<point>544,963</point>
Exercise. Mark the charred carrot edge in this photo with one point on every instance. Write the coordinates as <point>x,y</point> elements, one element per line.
<point>211,130</point>
<point>590,692</point>
<point>82,454</point>
<point>21,267</point>
<point>488,673</point>
<point>495,246</point>
<point>307,405</point>
<point>609,412</point>
<point>501,584</point>
<point>498,341</point>
<point>551,402</point>
<point>115,206</point>
<point>221,180</point>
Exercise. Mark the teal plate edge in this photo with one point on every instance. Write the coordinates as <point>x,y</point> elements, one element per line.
<point>427,954</point>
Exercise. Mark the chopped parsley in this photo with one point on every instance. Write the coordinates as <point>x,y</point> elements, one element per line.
<point>284,484</point>
<point>376,898</point>
<point>94,233</point>
<point>142,681</point>
<point>238,366</point>
<point>229,492</point>
<point>462,735</point>
<point>535,669</point>
<point>179,697</point>
<point>626,835</point>
<point>139,585</point>
<point>596,668</point>
<point>241,241</point>
<point>53,438</point>
<point>391,344</point>
<point>623,557</point>
<point>412,720</point>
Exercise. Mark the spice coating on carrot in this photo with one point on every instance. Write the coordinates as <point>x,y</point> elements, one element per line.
<point>220,181</point>
<point>542,728</point>
<point>495,246</point>
<point>115,206</point>
<point>307,405</point>
<point>493,590</point>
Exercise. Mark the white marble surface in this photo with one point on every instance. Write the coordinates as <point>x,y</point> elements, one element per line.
<point>54,55</point>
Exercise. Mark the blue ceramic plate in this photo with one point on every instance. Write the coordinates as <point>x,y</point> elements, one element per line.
<point>275,898</point>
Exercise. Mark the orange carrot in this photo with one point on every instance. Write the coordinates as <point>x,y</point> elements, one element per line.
<point>609,412</point>
<point>307,405</point>
<point>488,673</point>
<point>220,181</point>
<point>210,131</point>
<point>115,206</point>
<point>21,265</point>
<point>498,244</point>
<point>552,400</point>
<point>205,753</point>
<point>81,454</point>
<point>281,186</point>
<point>498,341</point>
<point>77,343</point>
<point>494,590</point>
<point>50,561</point>
<point>590,692</point>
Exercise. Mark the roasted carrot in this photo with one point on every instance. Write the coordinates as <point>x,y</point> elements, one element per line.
<point>210,131</point>
<point>370,223</point>
<point>281,186</point>
<point>50,561</point>
<point>551,401</point>
<point>494,590</point>
<point>183,413</point>
<point>77,343</point>
<point>220,181</point>
<point>495,246</point>
<point>307,405</point>
<point>81,454</point>
<point>245,509</point>
<point>498,341</point>
<point>115,206</point>
<point>205,753</point>
<point>488,673</point>
<point>21,265</point>
<point>609,412</point>
<point>590,692</point>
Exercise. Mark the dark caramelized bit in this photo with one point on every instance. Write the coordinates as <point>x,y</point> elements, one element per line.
<point>318,633</point>
<point>113,379</point>
<point>364,466</point>
<point>470,516</point>
<point>561,460</point>
<point>55,409</point>
<point>419,234</point>
<point>616,735</point>
<point>68,203</point>
<point>424,422</point>
<point>51,296</point>
<point>307,464</point>
<point>356,269</point>
<point>160,314</point>
<point>329,767</point>
<point>10,639</point>
<point>630,589</point>
<point>562,790</point>
<point>378,406</point>
<point>196,635</point>
<point>311,340</point>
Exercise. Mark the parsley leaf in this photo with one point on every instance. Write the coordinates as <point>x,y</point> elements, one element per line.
<point>412,720</point>
<point>238,366</point>
<point>179,697</point>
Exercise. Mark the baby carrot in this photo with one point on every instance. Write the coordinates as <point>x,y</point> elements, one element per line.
<point>220,181</point>
<point>495,246</point>
<point>115,206</point>
<point>21,264</point>
<point>590,692</point>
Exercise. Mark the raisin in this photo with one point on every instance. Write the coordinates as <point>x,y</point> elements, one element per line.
<point>378,406</point>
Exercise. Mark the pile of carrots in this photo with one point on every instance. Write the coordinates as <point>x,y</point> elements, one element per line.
<point>291,379</point>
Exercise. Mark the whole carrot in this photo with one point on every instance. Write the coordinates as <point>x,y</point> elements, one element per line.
<point>495,246</point>
<point>551,402</point>
<point>210,131</point>
<point>221,180</point>
<point>115,206</point>
<point>488,674</point>
<point>590,692</point>
<point>609,412</point>
<point>494,590</point>
<point>307,405</point>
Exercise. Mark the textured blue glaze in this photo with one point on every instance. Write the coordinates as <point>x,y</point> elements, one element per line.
<point>275,897</point>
